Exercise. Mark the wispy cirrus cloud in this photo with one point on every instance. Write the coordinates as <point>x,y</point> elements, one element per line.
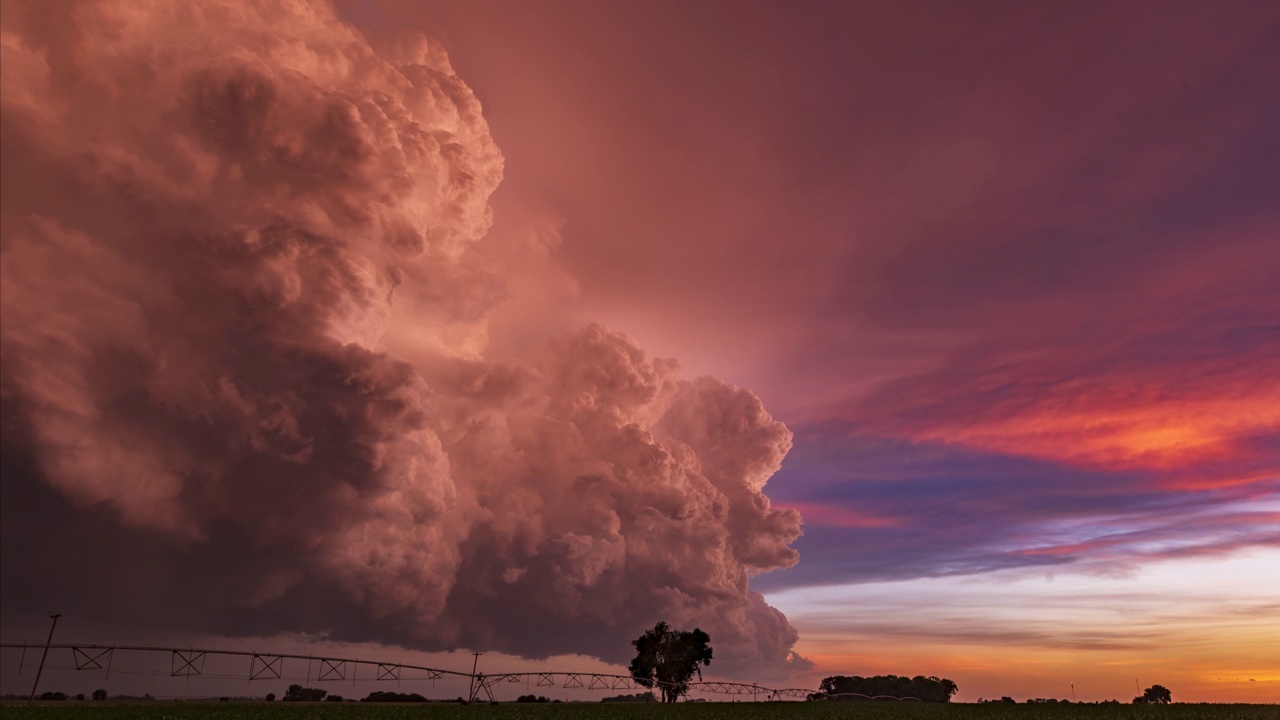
<point>894,509</point>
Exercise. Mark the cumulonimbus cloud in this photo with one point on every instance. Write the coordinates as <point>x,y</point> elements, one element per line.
<point>243,309</point>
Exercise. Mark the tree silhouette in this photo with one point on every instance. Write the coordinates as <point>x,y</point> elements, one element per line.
<point>669,659</point>
<point>927,689</point>
<point>1157,695</point>
<point>297,693</point>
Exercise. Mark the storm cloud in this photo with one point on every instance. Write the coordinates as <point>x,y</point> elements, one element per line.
<point>245,307</point>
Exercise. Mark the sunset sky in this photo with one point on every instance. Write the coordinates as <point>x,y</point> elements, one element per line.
<point>519,326</point>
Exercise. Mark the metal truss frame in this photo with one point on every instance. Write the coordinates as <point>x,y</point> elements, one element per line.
<point>186,662</point>
<point>91,659</point>
<point>265,667</point>
<point>332,670</point>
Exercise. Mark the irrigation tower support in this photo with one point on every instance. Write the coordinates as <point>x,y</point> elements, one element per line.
<point>54,617</point>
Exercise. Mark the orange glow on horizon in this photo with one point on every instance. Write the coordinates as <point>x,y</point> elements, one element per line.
<point>1230,669</point>
<point>1203,627</point>
<point>1168,436</point>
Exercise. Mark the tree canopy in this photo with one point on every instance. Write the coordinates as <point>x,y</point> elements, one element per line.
<point>392,696</point>
<point>297,693</point>
<point>668,659</point>
<point>928,689</point>
<point>1155,695</point>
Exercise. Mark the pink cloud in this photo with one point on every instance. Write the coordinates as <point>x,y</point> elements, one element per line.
<point>246,296</point>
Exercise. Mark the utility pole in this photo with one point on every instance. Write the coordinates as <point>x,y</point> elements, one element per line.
<point>1073,692</point>
<point>54,617</point>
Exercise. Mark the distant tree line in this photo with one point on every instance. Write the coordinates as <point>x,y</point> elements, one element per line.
<point>298,693</point>
<point>645,697</point>
<point>1154,695</point>
<point>926,689</point>
<point>55,696</point>
<point>387,696</point>
<point>1042,701</point>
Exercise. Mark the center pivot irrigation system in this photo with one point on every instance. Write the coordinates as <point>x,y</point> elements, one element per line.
<point>192,662</point>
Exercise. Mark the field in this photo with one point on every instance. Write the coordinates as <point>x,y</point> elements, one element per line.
<point>596,711</point>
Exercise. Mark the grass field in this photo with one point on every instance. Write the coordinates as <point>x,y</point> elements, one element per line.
<point>597,711</point>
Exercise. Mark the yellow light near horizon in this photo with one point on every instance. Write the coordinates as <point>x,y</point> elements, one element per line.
<point>1203,627</point>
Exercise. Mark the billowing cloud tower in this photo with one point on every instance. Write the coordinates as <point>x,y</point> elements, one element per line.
<point>243,337</point>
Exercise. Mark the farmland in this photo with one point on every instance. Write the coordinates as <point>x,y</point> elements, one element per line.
<point>596,711</point>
